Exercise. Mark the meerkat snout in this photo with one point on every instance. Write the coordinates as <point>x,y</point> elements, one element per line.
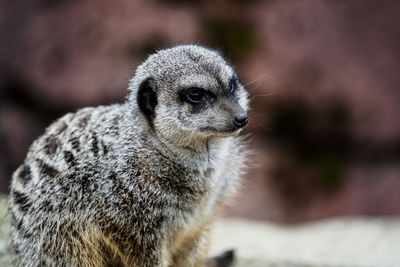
<point>240,121</point>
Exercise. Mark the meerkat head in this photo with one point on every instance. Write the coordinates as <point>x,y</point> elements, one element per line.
<point>189,94</point>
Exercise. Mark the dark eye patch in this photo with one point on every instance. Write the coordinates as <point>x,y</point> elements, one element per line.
<point>197,96</point>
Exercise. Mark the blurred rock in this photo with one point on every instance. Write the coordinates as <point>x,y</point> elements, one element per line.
<point>323,77</point>
<point>322,49</point>
<point>295,196</point>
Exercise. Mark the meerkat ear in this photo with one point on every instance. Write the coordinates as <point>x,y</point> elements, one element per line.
<point>147,98</point>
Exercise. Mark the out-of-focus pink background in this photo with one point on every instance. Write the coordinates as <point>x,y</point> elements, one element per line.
<point>323,76</point>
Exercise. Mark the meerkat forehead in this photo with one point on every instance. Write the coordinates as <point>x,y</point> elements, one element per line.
<point>188,66</point>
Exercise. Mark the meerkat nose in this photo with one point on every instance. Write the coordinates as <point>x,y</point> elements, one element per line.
<point>240,121</point>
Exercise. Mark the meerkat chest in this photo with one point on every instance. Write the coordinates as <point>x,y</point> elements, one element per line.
<point>194,223</point>
<point>218,185</point>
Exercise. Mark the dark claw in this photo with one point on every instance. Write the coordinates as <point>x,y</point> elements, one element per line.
<point>223,260</point>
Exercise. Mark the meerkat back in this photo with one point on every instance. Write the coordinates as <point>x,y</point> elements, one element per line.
<point>138,183</point>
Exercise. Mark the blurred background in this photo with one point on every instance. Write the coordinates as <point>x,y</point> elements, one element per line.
<point>323,77</point>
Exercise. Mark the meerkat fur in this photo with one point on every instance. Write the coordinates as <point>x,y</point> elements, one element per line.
<point>138,183</point>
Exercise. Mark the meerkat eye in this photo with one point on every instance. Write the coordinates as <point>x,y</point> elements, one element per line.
<point>196,96</point>
<point>232,85</point>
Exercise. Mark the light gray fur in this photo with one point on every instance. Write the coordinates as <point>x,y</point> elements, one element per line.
<point>107,186</point>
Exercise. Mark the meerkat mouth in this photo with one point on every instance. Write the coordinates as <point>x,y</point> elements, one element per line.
<point>223,133</point>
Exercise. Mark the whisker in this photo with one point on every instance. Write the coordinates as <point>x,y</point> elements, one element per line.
<point>257,80</point>
<point>264,95</point>
<point>268,129</point>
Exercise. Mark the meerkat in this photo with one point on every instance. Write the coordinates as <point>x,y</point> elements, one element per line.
<point>138,183</point>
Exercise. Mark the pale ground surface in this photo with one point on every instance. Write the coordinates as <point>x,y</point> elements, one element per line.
<point>347,241</point>
<point>334,242</point>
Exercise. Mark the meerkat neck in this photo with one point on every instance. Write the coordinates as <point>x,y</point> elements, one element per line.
<point>199,155</point>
